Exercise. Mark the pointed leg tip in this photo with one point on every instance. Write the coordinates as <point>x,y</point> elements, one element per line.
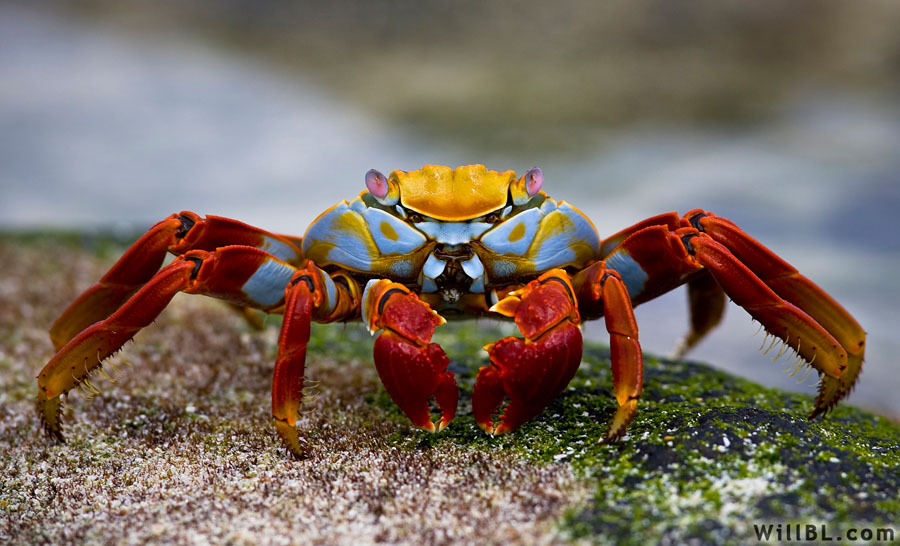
<point>820,410</point>
<point>608,440</point>
<point>623,417</point>
<point>291,439</point>
<point>50,412</point>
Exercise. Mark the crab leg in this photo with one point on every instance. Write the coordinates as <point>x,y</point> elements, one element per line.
<point>706,307</point>
<point>177,234</point>
<point>310,295</point>
<point>239,274</point>
<point>655,259</point>
<point>601,291</point>
<point>412,369</point>
<point>531,371</point>
<point>706,300</point>
<point>788,283</point>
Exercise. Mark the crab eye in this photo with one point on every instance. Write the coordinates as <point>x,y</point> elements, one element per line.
<point>523,189</point>
<point>492,218</point>
<point>377,183</point>
<point>534,179</point>
<point>384,190</point>
<point>415,218</point>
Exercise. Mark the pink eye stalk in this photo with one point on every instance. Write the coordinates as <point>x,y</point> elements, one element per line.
<point>534,179</point>
<point>526,187</point>
<point>377,184</point>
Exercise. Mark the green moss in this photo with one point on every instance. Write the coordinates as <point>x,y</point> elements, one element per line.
<point>709,454</point>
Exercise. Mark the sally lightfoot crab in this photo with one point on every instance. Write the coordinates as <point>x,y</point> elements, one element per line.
<point>419,246</point>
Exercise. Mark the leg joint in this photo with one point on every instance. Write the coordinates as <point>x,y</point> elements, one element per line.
<point>695,220</point>
<point>305,278</point>
<point>564,284</point>
<point>197,263</point>
<point>186,224</point>
<point>386,296</point>
<point>686,241</point>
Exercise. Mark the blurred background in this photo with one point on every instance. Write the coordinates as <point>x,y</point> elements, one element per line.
<point>782,116</point>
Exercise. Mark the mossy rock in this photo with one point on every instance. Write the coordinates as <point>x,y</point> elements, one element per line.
<point>711,457</point>
<point>181,447</point>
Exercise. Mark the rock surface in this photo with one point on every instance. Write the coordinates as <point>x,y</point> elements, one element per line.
<point>180,449</point>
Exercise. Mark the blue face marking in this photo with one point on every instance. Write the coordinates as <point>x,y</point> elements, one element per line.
<point>433,267</point>
<point>502,238</point>
<point>266,286</point>
<point>330,291</point>
<point>477,286</point>
<point>453,233</point>
<point>631,272</point>
<point>391,234</point>
<point>503,269</point>
<point>428,286</point>
<point>539,239</point>
<point>571,239</point>
<point>358,237</point>
<point>473,268</point>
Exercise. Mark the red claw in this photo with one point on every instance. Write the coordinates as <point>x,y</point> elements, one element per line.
<point>414,373</point>
<point>412,369</point>
<point>531,371</point>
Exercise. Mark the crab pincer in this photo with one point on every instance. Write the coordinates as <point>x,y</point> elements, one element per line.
<point>412,369</point>
<point>532,371</point>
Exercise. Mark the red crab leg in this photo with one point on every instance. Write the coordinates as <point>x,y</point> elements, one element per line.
<point>601,291</point>
<point>656,259</point>
<point>531,371</point>
<point>706,307</point>
<point>788,283</point>
<point>669,219</point>
<point>177,234</point>
<point>310,295</point>
<point>706,301</point>
<point>412,369</point>
<point>237,273</point>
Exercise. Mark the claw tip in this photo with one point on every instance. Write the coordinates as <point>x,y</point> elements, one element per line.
<point>507,306</point>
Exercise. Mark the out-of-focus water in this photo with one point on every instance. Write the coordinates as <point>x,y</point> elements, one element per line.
<point>101,129</point>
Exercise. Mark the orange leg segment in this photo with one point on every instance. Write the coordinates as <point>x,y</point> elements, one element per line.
<point>311,295</point>
<point>78,358</point>
<point>134,268</point>
<point>601,291</point>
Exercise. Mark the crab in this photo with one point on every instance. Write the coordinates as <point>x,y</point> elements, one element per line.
<point>416,247</point>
